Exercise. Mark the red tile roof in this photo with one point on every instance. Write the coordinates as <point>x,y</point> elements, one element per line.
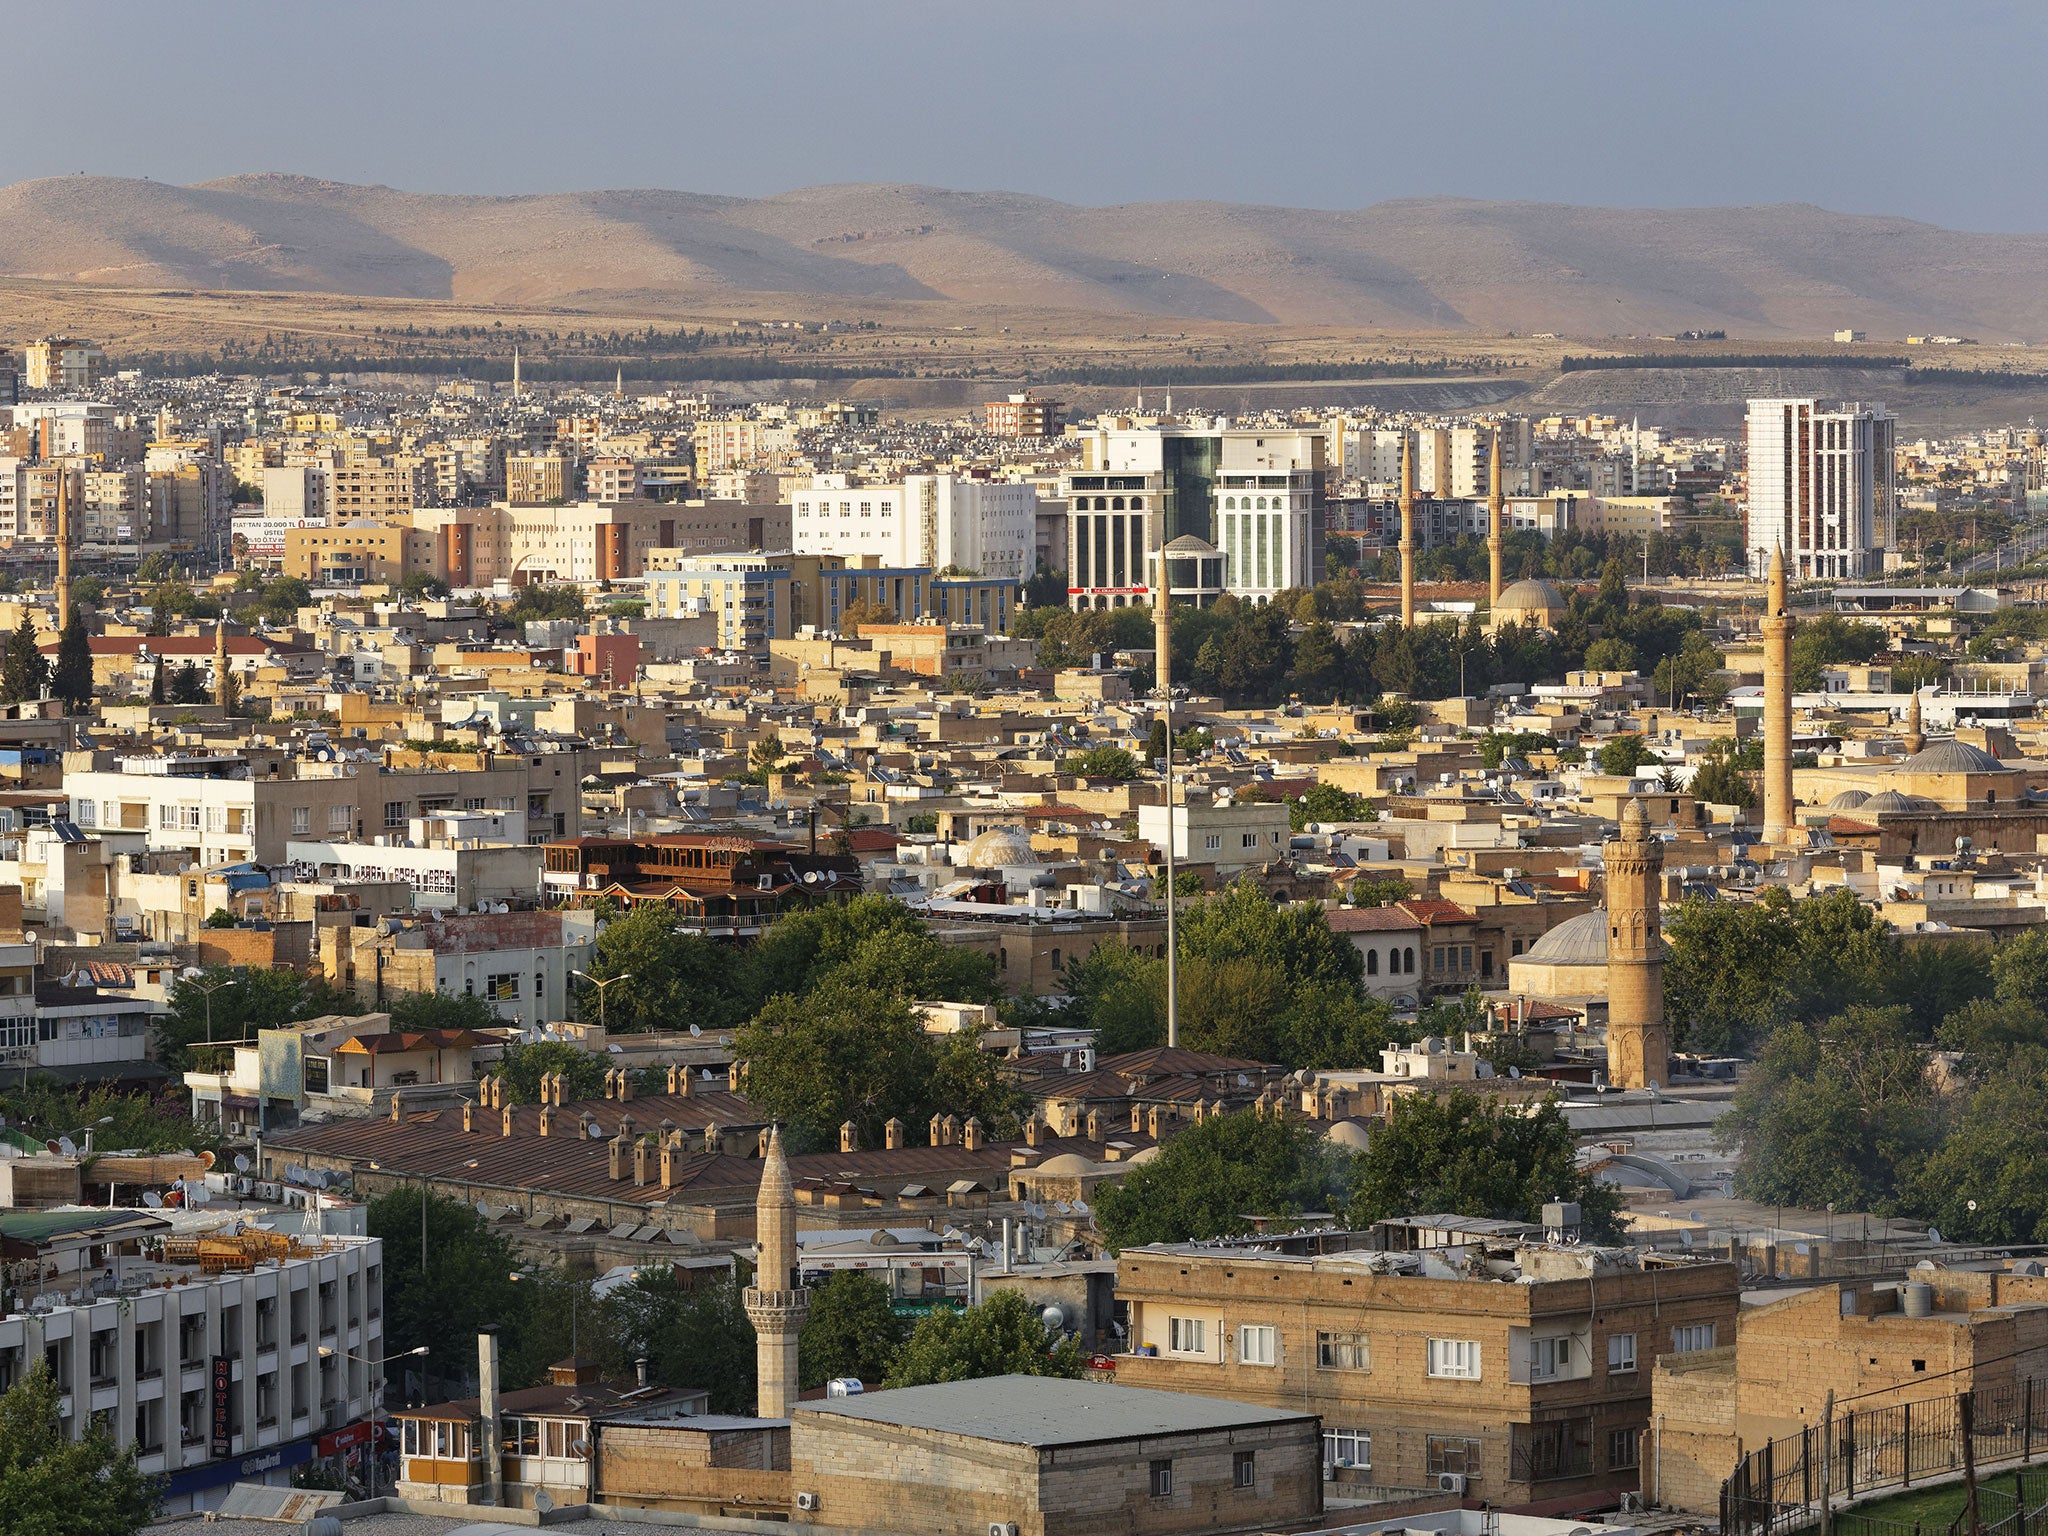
<point>1371,920</point>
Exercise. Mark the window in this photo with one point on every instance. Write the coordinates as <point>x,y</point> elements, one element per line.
<point>1251,839</point>
<point>1244,1469</point>
<point>1559,1448</point>
<point>1185,1335</point>
<point>1550,1358</point>
<point>1257,1344</point>
<point>1624,1449</point>
<point>1454,1358</point>
<point>302,818</point>
<point>337,818</point>
<point>1688,1337</point>
<point>1453,1453</point>
<point>1342,1352</point>
<point>394,813</point>
<point>1162,1479</point>
<point>503,987</point>
<point>88,813</point>
<point>1213,841</point>
<point>188,818</point>
<point>1347,1448</point>
<point>1621,1353</point>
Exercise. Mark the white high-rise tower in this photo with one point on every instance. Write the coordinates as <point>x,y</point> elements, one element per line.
<point>1820,487</point>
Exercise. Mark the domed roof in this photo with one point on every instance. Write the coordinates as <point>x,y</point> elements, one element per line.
<point>1346,1133</point>
<point>1848,799</point>
<point>1000,848</point>
<point>1954,756</point>
<point>1149,1155</point>
<point>1531,594</point>
<point>1892,800</point>
<point>1066,1165</point>
<point>1580,940</point>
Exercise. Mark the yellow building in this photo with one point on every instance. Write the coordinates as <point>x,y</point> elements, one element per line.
<point>62,362</point>
<point>535,479</point>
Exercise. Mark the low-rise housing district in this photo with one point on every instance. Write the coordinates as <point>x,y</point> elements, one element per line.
<point>415,693</point>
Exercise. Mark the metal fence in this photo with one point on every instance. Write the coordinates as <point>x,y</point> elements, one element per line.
<point>1779,1487</point>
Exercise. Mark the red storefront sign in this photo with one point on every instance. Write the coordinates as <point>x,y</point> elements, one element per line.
<point>348,1439</point>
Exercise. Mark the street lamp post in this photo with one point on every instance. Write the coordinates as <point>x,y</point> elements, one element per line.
<point>601,986</point>
<point>191,978</point>
<point>328,1352</point>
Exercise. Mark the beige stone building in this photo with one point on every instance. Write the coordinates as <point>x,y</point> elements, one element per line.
<point>1513,1373</point>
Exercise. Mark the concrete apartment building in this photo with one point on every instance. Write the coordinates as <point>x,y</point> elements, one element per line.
<point>584,541</point>
<point>536,479</point>
<point>213,1378</point>
<point>1821,487</point>
<point>722,528</point>
<point>225,808</point>
<point>62,362</point>
<point>937,521</point>
<point>1023,416</point>
<point>611,479</point>
<point>1505,1371</point>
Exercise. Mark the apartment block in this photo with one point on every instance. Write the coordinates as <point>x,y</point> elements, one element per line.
<point>1508,1371</point>
<point>1821,487</point>
<point>611,479</point>
<point>1023,416</point>
<point>536,479</point>
<point>62,362</point>
<point>220,1360</point>
<point>944,522</point>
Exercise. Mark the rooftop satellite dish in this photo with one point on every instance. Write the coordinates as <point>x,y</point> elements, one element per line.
<point>543,1501</point>
<point>1243,1081</point>
<point>1934,1235</point>
<point>579,1447</point>
<point>152,1199</point>
<point>1080,1207</point>
<point>596,1131</point>
<point>67,1146</point>
<point>241,1162</point>
<point>483,1210</point>
<point>707,1075</point>
<point>1515,1073</point>
<point>1694,1216</point>
<point>696,1030</point>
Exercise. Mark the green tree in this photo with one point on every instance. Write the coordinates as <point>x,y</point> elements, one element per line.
<point>1327,803</point>
<point>188,685</point>
<point>1004,1336</point>
<point>851,1330</point>
<point>220,917</point>
<point>440,1292</point>
<point>1828,640</point>
<point>259,999</point>
<point>1495,747</point>
<point>1719,781</point>
<point>2019,969</point>
<point>417,586</point>
<point>1118,992</point>
<point>1623,755</point>
<point>1208,1179</point>
<point>71,678</point>
<point>541,602</point>
<point>443,1010</point>
<point>523,1065</point>
<point>1610,654</point>
<point>23,672</point>
<point>872,941</point>
<point>52,1485</point>
<point>1477,1156</point>
<point>1727,978</point>
<point>89,590</point>
<point>694,1338</point>
<point>671,978</point>
<point>1103,762</point>
<point>1987,1182</point>
<point>849,1053</point>
<point>1840,1111</point>
<point>1379,890</point>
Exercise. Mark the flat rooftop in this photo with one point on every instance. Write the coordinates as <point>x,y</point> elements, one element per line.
<point>1048,1410</point>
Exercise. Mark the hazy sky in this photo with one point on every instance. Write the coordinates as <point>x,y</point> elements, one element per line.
<point>1929,109</point>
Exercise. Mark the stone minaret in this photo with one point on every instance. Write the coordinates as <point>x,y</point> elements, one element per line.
<point>63,545</point>
<point>1916,738</point>
<point>775,1302</point>
<point>1162,628</point>
<point>220,662</point>
<point>1407,533</point>
<point>1494,505</point>
<point>1779,807</point>
<point>1638,1044</point>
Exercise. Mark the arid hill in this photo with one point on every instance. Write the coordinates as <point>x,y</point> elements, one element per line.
<point>1788,270</point>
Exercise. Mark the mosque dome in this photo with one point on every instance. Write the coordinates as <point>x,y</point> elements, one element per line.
<point>1000,848</point>
<point>1067,1165</point>
<point>1346,1133</point>
<point>1849,800</point>
<point>1580,940</point>
<point>1892,800</point>
<point>1952,756</point>
<point>1530,598</point>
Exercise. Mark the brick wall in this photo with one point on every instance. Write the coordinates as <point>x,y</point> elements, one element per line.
<point>1693,1446</point>
<point>676,1466</point>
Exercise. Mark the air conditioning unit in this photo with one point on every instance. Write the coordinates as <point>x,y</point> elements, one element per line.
<point>807,1502</point>
<point>1450,1482</point>
<point>1632,1504</point>
<point>1002,1528</point>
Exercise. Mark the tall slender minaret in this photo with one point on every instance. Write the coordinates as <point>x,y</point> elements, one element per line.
<point>221,685</point>
<point>1638,1044</point>
<point>515,373</point>
<point>63,545</point>
<point>1777,626</point>
<point>775,1302</point>
<point>1916,738</point>
<point>1494,505</point>
<point>1162,629</point>
<point>1407,532</point>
